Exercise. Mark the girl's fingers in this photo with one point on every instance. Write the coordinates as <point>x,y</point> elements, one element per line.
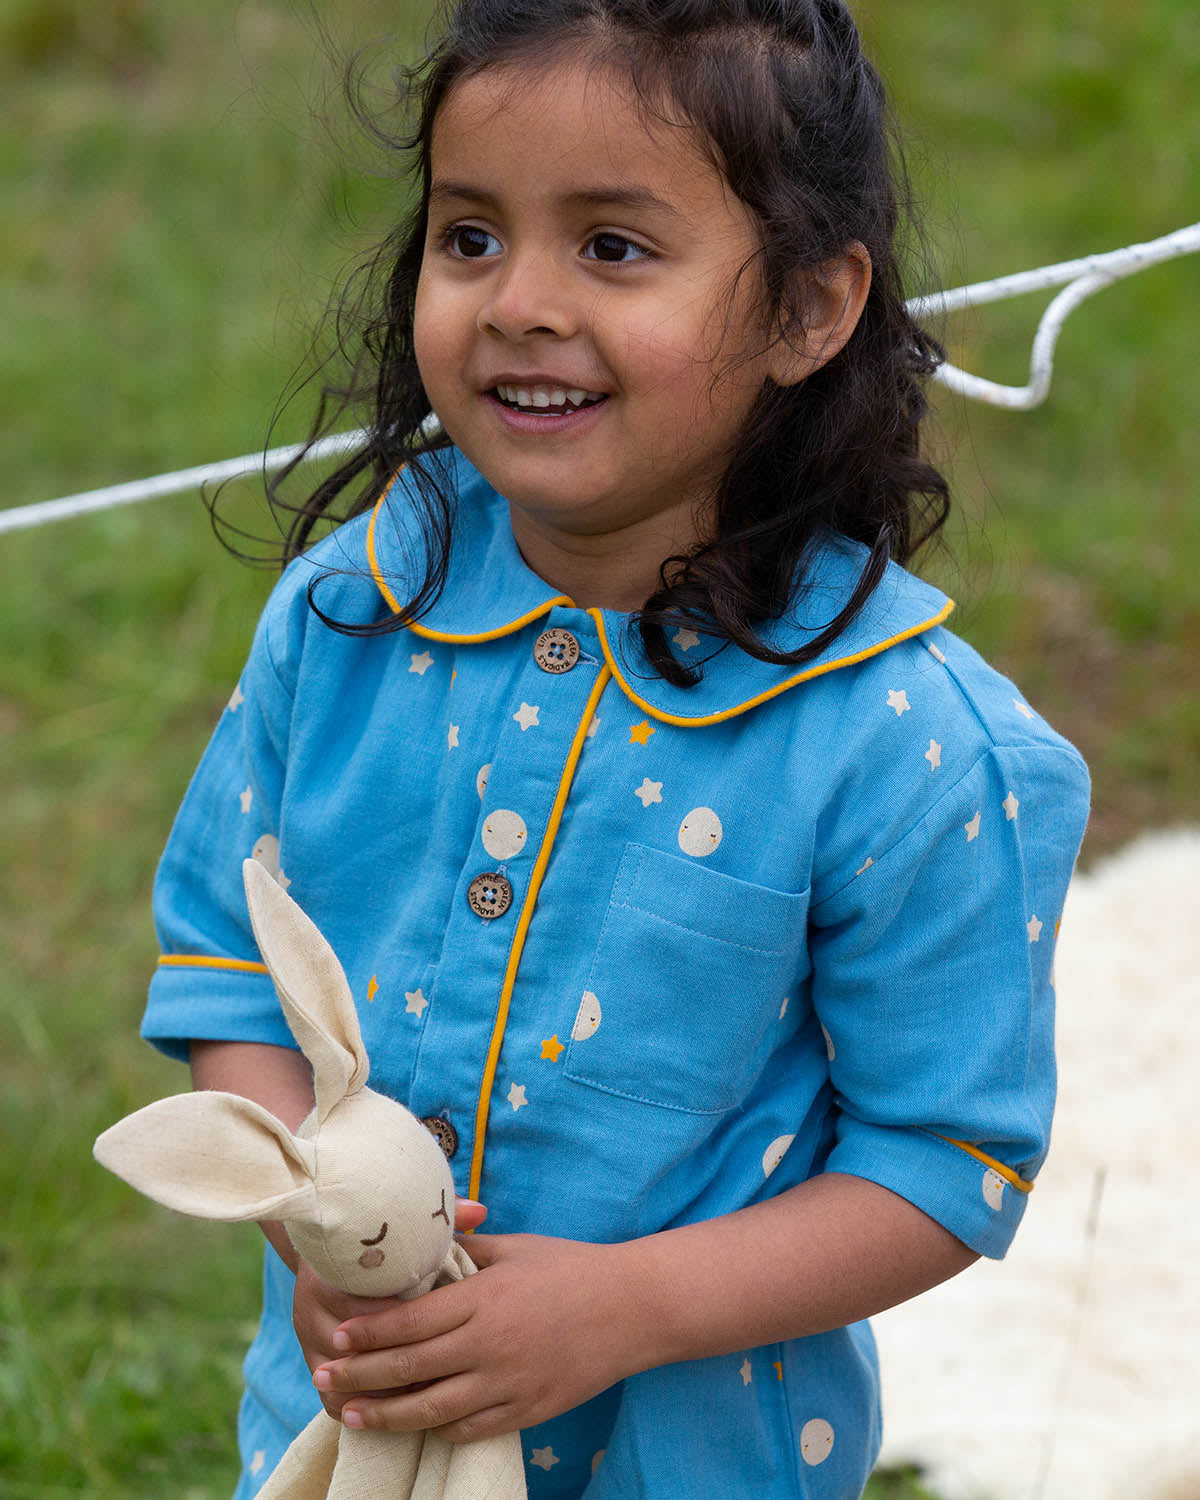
<point>427,1317</point>
<point>484,1248</point>
<point>452,1403</point>
<point>468,1214</point>
<point>390,1369</point>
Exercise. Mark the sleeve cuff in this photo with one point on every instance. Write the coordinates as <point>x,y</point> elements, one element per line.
<point>976,1202</point>
<point>194,1002</point>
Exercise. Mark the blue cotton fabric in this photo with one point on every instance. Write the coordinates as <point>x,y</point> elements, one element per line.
<point>792,921</point>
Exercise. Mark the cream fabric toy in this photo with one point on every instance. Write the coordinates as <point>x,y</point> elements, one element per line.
<point>366,1194</point>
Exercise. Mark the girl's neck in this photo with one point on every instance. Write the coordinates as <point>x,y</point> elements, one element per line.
<point>609,570</point>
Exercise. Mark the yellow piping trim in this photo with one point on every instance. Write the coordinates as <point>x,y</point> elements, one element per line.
<point>989,1161</point>
<point>518,942</point>
<point>780,687</point>
<point>444,635</point>
<point>190,961</point>
<point>491,635</point>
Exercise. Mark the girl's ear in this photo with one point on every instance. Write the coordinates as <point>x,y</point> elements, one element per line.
<point>828,304</point>
<point>311,986</point>
<point>214,1156</point>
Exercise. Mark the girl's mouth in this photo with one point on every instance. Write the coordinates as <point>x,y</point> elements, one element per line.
<point>545,410</point>
<point>547,400</point>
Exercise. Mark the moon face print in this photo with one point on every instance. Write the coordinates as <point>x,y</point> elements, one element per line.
<point>700,832</point>
<point>816,1441</point>
<point>481,779</point>
<point>775,1153</point>
<point>504,833</point>
<point>587,1018</point>
<point>993,1190</point>
<point>266,851</point>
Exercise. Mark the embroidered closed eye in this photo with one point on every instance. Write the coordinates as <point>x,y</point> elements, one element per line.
<point>378,1237</point>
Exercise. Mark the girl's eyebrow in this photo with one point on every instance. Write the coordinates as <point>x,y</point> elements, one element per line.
<point>601,196</point>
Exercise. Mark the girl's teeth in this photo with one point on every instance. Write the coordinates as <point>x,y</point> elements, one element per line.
<point>543,397</point>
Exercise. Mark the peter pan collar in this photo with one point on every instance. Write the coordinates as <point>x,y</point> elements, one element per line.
<point>491,592</point>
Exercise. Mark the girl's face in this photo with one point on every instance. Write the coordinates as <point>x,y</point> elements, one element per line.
<point>581,328</point>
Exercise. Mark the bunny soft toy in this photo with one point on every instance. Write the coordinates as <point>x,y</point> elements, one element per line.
<point>364,1189</point>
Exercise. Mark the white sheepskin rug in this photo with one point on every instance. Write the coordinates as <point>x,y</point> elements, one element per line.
<point>1071,1370</point>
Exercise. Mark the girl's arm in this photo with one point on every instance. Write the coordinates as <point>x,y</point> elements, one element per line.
<point>828,1252</point>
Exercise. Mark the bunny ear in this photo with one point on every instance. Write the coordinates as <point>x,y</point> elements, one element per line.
<point>311,986</point>
<point>214,1156</point>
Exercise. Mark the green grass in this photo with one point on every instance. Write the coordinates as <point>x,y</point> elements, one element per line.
<point>176,219</point>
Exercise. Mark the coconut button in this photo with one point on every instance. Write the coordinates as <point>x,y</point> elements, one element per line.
<point>489,895</point>
<point>443,1133</point>
<point>556,650</point>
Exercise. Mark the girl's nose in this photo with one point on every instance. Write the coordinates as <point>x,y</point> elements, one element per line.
<point>527,297</point>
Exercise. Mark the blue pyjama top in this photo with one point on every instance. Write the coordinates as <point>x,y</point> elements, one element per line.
<point>787,921</point>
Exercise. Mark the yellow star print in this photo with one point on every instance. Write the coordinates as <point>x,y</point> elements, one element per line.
<point>640,734</point>
<point>372,988</point>
<point>551,1047</point>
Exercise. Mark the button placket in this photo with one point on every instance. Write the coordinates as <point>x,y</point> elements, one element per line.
<point>526,767</point>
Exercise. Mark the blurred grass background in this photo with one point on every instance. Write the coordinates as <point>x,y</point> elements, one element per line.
<point>176,218</point>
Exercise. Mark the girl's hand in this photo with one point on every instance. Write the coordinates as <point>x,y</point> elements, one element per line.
<point>543,1326</point>
<point>318,1308</point>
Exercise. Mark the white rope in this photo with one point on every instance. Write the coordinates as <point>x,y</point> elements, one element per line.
<point>44,511</point>
<point>1081,278</point>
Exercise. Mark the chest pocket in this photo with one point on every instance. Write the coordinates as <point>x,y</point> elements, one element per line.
<point>688,978</point>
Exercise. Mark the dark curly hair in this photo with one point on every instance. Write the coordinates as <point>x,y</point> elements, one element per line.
<point>795,119</point>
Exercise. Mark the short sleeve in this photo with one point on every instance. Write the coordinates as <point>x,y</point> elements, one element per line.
<point>933,979</point>
<point>210,982</point>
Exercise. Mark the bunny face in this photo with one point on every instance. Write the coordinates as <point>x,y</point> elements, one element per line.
<point>384,1200</point>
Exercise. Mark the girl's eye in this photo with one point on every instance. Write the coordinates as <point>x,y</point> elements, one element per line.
<point>614,248</point>
<point>471,243</point>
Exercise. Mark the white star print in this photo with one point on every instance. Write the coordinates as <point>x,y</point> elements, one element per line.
<point>415,1002</point>
<point>862,869</point>
<point>685,639</point>
<point>1023,708</point>
<point>452,738</point>
<point>937,655</point>
<point>783,1007</point>
<point>593,726</point>
<point>246,798</point>
<point>972,828</point>
<point>899,701</point>
<point>527,715</point>
<point>1034,928</point>
<point>257,1461</point>
<point>516,1096</point>
<point>544,1458</point>
<point>236,700</point>
<point>1010,805</point>
<point>421,663</point>
<point>934,755</point>
<point>649,791</point>
<point>746,1372</point>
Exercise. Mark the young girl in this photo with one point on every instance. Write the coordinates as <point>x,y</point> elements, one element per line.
<point>697,888</point>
